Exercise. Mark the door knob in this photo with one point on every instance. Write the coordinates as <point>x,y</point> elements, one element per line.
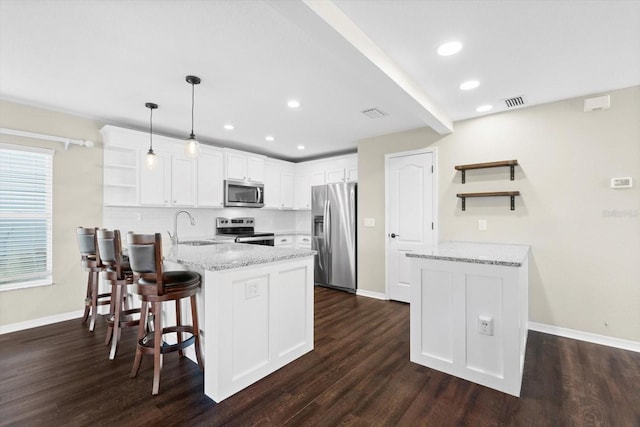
<point>394,235</point>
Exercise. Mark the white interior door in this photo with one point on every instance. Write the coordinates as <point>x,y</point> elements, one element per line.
<point>410,216</point>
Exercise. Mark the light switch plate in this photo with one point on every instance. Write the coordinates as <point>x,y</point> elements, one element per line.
<point>482,224</point>
<point>369,222</point>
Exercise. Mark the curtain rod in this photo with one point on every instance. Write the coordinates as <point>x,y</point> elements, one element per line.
<point>66,141</point>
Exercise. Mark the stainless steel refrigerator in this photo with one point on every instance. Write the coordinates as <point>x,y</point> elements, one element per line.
<point>333,217</point>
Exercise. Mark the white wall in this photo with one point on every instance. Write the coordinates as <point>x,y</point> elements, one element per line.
<point>584,236</point>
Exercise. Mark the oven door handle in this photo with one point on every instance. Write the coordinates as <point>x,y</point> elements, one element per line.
<point>253,239</point>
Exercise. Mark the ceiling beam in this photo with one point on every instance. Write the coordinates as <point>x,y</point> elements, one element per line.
<point>340,22</point>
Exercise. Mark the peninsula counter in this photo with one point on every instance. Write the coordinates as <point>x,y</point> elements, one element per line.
<point>255,309</point>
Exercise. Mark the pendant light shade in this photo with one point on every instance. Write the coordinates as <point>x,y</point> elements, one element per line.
<point>150,159</point>
<point>192,146</point>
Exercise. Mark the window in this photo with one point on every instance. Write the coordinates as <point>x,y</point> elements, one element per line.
<point>25,216</point>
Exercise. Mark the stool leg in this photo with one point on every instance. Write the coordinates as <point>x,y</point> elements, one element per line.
<point>144,313</point>
<point>114,295</point>
<point>179,323</point>
<point>196,330</point>
<point>87,300</point>
<point>157,356</point>
<point>116,322</point>
<point>94,300</point>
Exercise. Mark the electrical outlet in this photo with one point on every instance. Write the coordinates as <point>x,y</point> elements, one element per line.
<point>482,224</point>
<point>251,290</point>
<point>485,325</point>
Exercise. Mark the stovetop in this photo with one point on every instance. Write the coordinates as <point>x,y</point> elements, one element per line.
<point>240,227</point>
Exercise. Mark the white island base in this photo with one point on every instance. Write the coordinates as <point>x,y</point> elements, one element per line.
<point>254,318</point>
<point>469,312</point>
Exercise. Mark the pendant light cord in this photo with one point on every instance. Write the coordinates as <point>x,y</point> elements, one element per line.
<point>151,131</point>
<point>192,106</point>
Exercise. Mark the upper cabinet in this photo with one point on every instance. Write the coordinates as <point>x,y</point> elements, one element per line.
<point>120,176</point>
<point>183,182</point>
<point>278,184</point>
<point>321,172</point>
<point>210,177</point>
<point>173,182</point>
<point>243,166</point>
<point>344,169</point>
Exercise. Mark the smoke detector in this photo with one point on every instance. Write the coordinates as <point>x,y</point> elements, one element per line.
<point>374,113</point>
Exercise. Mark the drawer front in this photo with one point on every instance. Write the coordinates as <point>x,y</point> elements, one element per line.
<point>284,240</point>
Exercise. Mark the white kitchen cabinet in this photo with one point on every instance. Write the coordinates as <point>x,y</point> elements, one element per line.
<point>120,176</point>
<point>155,185</point>
<point>243,166</point>
<point>285,241</point>
<point>278,184</point>
<point>171,183</point>
<point>303,241</point>
<point>210,178</point>
<point>302,189</point>
<point>343,169</point>
<point>184,180</point>
<point>286,190</point>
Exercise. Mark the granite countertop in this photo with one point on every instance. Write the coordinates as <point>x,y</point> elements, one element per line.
<point>478,253</point>
<point>225,256</point>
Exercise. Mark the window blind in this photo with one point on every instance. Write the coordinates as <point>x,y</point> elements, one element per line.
<point>26,180</point>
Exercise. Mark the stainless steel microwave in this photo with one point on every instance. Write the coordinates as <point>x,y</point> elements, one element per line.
<point>243,194</point>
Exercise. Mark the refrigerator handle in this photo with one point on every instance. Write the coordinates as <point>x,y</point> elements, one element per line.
<point>327,225</point>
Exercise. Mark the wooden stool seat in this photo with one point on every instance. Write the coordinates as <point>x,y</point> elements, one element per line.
<point>155,287</point>
<point>91,263</point>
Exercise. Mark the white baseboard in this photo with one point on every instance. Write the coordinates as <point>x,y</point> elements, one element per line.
<point>42,321</point>
<point>586,336</point>
<point>371,294</point>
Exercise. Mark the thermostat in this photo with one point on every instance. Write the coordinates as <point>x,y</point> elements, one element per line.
<point>624,182</point>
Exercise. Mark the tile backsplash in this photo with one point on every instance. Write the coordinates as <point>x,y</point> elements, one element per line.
<point>153,220</point>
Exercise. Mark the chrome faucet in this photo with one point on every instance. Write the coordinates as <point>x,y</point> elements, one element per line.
<point>174,237</point>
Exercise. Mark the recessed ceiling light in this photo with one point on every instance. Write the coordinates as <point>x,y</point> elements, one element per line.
<point>483,108</point>
<point>269,138</point>
<point>471,84</point>
<point>300,147</point>
<point>229,126</point>
<point>293,103</point>
<point>449,48</point>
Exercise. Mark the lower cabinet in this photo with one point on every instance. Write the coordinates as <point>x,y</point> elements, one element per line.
<point>253,320</point>
<point>285,241</point>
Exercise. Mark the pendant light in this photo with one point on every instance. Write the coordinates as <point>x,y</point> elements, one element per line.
<point>192,146</point>
<point>150,160</point>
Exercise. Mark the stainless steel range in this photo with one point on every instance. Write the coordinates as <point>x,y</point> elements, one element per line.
<point>242,229</point>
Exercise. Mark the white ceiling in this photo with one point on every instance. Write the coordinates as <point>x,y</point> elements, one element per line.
<point>105,59</point>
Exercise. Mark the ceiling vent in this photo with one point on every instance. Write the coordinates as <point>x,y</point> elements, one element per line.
<point>374,113</point>
<point>516,101</point>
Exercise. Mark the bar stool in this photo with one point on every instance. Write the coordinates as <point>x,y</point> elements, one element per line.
<point>156,286</point>
<point>91,263</point>
<point>118,273</point>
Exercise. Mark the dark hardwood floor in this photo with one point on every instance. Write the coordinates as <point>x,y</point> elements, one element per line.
<point>358,374</point>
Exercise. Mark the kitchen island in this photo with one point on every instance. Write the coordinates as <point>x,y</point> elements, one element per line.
<point>469,312</point>
<point>255,309</point>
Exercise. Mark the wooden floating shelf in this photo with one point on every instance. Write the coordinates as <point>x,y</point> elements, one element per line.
<point>503,163</point>
<point>510,194</point>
